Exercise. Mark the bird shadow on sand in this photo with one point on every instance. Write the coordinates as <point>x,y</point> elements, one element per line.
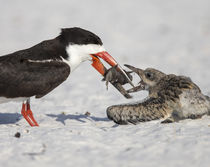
<point>82,118</point>
<point>9,118</point>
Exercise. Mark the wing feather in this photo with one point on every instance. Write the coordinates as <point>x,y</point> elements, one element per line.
<point>26,78</point>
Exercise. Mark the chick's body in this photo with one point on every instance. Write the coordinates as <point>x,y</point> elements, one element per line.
<point>171,98</point>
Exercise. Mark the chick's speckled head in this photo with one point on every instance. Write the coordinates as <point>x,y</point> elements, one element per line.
<point>149,77</point>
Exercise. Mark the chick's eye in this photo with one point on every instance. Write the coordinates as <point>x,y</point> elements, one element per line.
<point>148,75</point>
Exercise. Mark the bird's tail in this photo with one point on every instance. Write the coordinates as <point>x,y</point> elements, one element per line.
<point>208,98</point>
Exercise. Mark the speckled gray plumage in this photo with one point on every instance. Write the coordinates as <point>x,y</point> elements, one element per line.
<point>171,98</point>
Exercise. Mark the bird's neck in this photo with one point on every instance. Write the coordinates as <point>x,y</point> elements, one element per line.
<point>75,56</point>
<point>79,53</point>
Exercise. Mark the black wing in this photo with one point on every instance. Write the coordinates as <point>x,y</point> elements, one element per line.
<point>26,78</point>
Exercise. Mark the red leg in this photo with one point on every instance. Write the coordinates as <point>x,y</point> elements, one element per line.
<point>24,114</point>
<point>30,114</point>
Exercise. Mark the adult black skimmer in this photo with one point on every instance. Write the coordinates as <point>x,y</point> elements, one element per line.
<point>38,70</point>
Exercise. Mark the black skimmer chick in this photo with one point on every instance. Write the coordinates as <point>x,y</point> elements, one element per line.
<point>171,97</point>
<point>40,69</point>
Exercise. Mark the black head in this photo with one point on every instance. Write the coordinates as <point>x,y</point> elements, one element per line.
<point>78,36</point>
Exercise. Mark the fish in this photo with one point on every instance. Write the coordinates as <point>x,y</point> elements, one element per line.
<point>117,79</point>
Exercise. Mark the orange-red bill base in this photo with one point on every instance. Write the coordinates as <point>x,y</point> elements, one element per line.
<point>110,60</point>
